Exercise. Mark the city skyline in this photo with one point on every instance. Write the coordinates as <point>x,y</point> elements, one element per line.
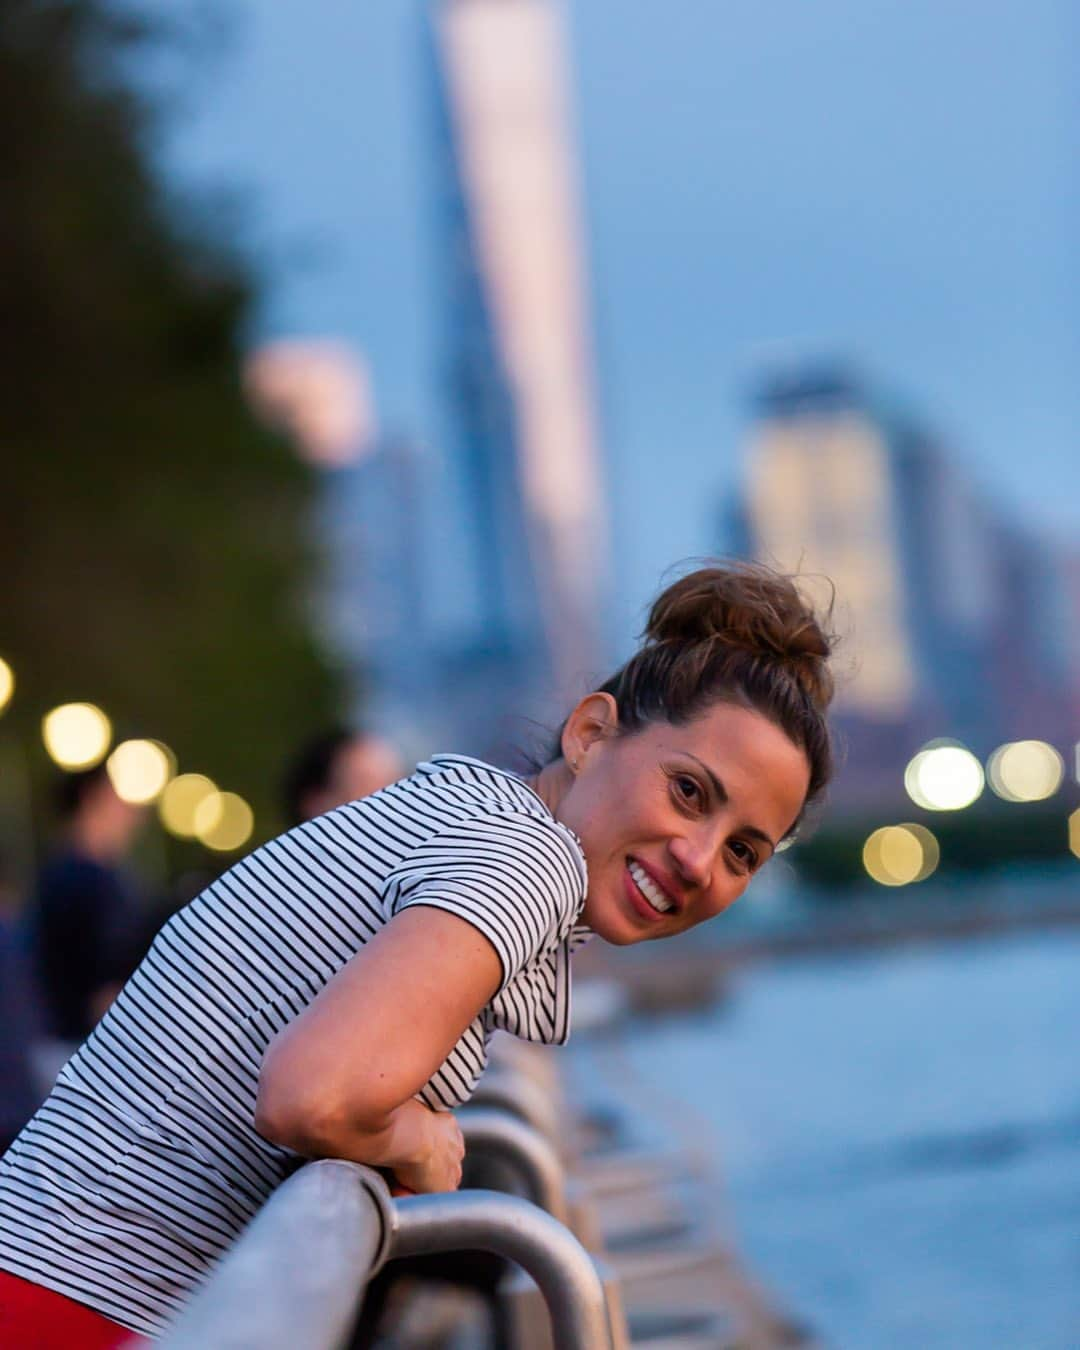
<point>888,533</point>
<point>756,183</point>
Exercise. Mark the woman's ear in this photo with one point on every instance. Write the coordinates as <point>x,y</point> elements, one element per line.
<point>593,721</point>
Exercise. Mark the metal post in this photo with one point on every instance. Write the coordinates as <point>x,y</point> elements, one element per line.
<point>527,1150</point>
<point>488,1221</point>
<point>296,1275</point>
<point>513,1091</point>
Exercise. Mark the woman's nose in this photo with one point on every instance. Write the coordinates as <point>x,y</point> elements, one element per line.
<point>694,856</point>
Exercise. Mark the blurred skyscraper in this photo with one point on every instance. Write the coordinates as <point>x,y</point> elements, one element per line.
<point>955,623</point>
<point>523,505</point>
<point>466,581</point>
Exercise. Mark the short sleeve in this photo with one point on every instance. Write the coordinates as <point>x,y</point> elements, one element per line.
<point>518,879</point>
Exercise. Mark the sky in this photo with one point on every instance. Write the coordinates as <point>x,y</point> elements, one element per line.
<point>895,186</point>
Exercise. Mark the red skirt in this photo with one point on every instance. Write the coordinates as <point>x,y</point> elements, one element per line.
<point>35,1318</point>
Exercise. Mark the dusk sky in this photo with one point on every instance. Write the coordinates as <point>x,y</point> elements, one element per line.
<point>892,185</point>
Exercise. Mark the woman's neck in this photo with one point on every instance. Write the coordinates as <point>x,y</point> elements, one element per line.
<point>551,784</point>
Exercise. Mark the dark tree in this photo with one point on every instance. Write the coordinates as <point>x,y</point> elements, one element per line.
<point>153,555</point>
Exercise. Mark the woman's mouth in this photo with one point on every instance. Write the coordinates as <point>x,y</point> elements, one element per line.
<point>644,887</point>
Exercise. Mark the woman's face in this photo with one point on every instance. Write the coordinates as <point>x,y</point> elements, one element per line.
<point>676,820</point>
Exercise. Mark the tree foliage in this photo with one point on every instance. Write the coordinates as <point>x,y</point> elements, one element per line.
<point>152,545</point>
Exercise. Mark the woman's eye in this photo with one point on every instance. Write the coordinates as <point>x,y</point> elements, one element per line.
<point>687,789</point>
<point>743,854</point>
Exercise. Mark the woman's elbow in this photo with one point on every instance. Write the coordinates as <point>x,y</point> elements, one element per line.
<point>314,1126</point>
<point>276,1119</point>
<point>288,1110</point>
<point>312,1118</point>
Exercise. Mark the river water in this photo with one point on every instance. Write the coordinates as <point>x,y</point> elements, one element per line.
<point>899,1137</point>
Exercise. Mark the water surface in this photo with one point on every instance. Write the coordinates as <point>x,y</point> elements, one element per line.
<point>899,1134</point>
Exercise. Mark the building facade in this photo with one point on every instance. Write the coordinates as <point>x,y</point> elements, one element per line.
<point>952,621</point>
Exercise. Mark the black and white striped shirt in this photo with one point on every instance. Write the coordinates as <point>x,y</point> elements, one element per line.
<point>143,1165</point>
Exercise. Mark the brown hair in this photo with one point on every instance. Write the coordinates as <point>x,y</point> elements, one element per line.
<point>733,633</point>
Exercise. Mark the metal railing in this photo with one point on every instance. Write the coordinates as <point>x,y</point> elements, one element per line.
<point>507,1089</point>
<point>295,1277</point>
<point>523,1233</point>
<point>496,1133</point>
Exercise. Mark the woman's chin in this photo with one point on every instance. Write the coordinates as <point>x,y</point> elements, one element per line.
<point>615,927</point>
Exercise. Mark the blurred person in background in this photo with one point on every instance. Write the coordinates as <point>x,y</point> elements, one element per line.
<point>86,924</point>
<point>333,994</point>
<point>335,767</point>
<point>20,1029</point>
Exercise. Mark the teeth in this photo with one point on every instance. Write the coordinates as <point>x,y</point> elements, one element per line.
<point>649,889</point>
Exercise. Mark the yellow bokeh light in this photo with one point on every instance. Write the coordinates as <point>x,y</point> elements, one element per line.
<point>170,758</point>
<point>208,813</point>
<point>1074,832</point>
<point>179,803</point>
<point>76,735</point>
<point>931,850</point>
<point>944,776</point>
<point>898,855</point>
<point>224,822</point>
<point>7,684</point>
<point>139,770</point>
<point>1025,771</point>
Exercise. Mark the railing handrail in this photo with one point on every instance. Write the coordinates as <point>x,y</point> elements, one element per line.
<point>295,1276</point>
<point>522,1232</point>
<point>510,1089</point>
<point>497,1132</point>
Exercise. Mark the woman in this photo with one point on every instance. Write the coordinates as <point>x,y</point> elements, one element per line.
<point>333,993</point>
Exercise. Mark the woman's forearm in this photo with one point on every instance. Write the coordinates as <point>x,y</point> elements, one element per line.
<point>424,1149</point>
<point>402,1136</point>
<point>405,1138</point>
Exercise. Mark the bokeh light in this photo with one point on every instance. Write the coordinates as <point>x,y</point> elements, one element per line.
<point>76,735</point>
<point>1074,832</point>
<point>944,776</point>
<point>7,684</point>
<point>180,801</point>
<point>1025,771</point>
<point>898,855</point>
<point>139,770</point>
<point>224,821</point>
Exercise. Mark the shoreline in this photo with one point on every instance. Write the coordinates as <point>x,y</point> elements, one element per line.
<point>690,972</point>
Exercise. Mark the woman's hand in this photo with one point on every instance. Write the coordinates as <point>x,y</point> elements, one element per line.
<point>439,1168</point>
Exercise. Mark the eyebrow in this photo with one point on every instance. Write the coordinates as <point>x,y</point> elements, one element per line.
<point>722,795</point>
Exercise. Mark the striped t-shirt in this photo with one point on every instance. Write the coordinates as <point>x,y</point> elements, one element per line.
<point>144,1164</point>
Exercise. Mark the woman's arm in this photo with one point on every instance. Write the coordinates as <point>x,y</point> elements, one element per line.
<point>340,1081</point>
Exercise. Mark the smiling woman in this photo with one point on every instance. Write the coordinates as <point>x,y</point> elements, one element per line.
<point>696,759</point>
<point>674,820</point>
<point>334,993</point>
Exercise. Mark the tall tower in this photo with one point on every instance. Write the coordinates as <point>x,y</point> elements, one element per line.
<point>523,443</point>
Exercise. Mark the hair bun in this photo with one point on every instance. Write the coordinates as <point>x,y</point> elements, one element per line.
<point>750,607</point>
